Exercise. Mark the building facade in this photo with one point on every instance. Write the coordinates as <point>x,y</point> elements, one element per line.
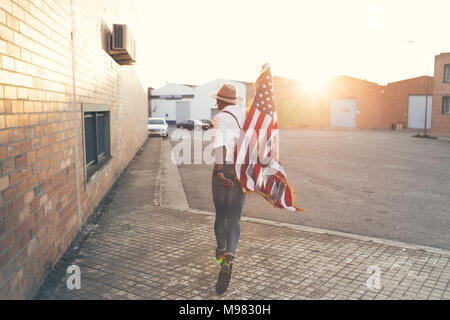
<point>70,122</point>
<point>172,102</point>
<point>177,102</point>
<point>405,102</point>
<point>440,122</point>
<point>289,102</point>
<point>348,102</point>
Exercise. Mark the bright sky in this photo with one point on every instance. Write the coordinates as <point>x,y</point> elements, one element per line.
<point>195,41</point>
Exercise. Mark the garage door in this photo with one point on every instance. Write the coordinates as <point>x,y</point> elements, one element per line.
<point>183,109</point>
<point>343,113</point>
<point>416,112</point>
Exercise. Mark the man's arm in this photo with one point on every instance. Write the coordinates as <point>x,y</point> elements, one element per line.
<point>220,156</point>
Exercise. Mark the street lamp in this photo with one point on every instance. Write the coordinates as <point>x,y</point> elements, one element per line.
<point>426,104</point>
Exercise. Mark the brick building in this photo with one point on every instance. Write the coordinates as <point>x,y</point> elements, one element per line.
<point>400,99</point>
<point>42,203</point>
<point>299,108</point>
<point>288,101</point>
<point>353,103</point>
<point>440,121</point>
<point>366,97</point>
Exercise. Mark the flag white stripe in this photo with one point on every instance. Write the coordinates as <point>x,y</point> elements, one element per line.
<point>253,157</point>
<point>271,142</point>
<point>259,181</point>
<point>263,137</point>
<point>243,149</point>
<point>275,165</point>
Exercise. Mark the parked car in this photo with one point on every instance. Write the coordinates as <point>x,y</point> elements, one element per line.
<point>208,123</point>
<point>191,124</point>
<point>158,127</point>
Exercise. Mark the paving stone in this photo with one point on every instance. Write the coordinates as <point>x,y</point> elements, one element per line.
<point>141,251</point>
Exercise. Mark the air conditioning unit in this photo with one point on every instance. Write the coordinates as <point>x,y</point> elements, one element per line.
<point>123,46</point>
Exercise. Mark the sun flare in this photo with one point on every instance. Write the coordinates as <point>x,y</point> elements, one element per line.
<point>314,85</point>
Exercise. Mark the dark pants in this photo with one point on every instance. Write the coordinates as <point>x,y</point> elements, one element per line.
<point>229,203</point>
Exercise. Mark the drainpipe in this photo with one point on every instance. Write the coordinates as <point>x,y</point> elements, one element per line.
<point>75,120</point>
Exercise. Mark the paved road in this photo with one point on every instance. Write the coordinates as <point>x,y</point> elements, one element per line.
<point>384,184</point>
<point>133,249</point>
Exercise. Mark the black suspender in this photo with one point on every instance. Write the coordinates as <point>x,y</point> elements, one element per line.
<point>234,118</point>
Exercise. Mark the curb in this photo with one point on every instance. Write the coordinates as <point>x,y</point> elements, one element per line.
<point>352,236</point>
<point>181,204</point>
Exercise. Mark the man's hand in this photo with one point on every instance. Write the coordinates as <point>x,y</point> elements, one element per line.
<point>224,182</point>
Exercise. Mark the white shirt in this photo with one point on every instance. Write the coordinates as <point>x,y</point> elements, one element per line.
<point>226,129</point>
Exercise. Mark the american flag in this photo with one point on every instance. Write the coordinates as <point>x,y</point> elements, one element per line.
<point>257,163</point>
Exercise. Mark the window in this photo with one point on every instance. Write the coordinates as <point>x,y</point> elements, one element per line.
<point>447,73</point>
<point>446,105</point>
<point>96,138</point>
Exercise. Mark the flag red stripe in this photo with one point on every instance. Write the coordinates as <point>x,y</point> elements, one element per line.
<point>243,169</point>
<point>249,118</point>
<point>256,173</point>
<point>288,197</point>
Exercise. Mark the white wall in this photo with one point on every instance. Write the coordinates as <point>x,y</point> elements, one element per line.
<point>162,107</point>
<point>201,104</point>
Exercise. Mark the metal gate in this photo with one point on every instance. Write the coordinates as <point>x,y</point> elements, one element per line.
<point>183,110</point>
<point>343,113</point>
<point>416,112</point>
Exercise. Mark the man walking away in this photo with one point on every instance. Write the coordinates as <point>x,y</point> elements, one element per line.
<point>227,193</point>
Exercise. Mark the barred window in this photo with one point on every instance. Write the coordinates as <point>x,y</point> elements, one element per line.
<point>96,140</point>
<point>446,105</point>
<point>447,73</point>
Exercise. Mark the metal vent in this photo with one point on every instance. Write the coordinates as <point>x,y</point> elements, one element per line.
<point>118,37</point>
<point>123,48</point>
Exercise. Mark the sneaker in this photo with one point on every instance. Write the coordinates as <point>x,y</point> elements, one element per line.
<point>224,277</point>
<point>220,256</point>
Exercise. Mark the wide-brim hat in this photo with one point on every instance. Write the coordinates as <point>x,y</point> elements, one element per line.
<point>227,93</point>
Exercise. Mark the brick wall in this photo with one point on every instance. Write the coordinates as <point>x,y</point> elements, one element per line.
<point>395,98</point>
<point>378,106</point>
<point>440,123</point>
<point>289,101</point>
<point>302,108</point>
<point>368,99</point>
<point>38,190</point>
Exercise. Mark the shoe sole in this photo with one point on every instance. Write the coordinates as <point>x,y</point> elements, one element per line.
<point>224,278</point>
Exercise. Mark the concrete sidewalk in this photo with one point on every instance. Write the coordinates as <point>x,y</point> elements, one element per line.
<point>135,247</point>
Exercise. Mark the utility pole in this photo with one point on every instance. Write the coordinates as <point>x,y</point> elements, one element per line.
<point>426,105</point>
<point>426,97</point>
